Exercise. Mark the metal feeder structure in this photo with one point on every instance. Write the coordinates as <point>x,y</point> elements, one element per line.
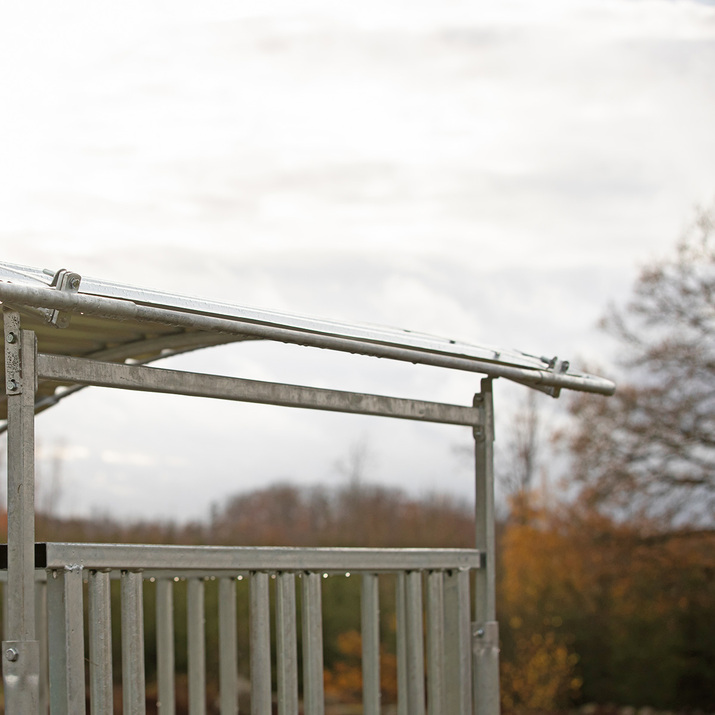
<point>64,332</point>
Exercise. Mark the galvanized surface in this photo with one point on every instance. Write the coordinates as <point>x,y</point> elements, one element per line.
<point>196,643</point>
<point>415,644</point>
<point>21,676</point>
<point>149,379</point>
<point>100,644</point>
<point>312,611</point>
<point>260,635</point>
<point>165,645</point>
<point>145,325</point>
<point>370,629</point>
<point>286,645</point>
<point>228,666</point>
<point>66,641</point>
<point>486,661</point>
<point>458,646</point>
<point>435,644</point>
<point>133,675</point>
<point>240,559</point>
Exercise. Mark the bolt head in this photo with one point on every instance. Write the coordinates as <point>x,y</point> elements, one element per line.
<point>74,283</point>
<point>12,385</point>
<point>11,654</point>
<point>11,338</point>
<point>480,633</point>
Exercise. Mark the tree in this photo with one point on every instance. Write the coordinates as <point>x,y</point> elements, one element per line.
<point>649,452</point>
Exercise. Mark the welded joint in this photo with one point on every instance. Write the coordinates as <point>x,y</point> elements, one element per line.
<point>485,638</point>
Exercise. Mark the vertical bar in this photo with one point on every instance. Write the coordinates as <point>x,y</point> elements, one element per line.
<point>458,643</point>
<point>401,645</point>
<point>486,638</point>
<point>228,663</point>
<point>66,642</point>
<point>133,677</point>
<point>370,620</point>
<point>286,645</point>
<point>100,644</point>
<point>21,674</point>
<point>435,644</point>
<point>166,704</point>
<point>196,644</point>
<point>415,644</point>
<point>312,611</point>
<point>260,635</point>
<point>41,634</point>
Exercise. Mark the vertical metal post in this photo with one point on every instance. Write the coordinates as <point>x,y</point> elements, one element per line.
<point>166,704</point>
<point>100,644</point>
<point>196,643</point>
<point>133,676</point>
<point>370,625</point>
<point>260,635</point>
<point>286,645</point>
<point>21,656</point>
<point>486,629</point>
<point>312,611</point>
<point>458,643</point>
<point>41,635</point>
<point>435,643</point>
<point>415,644</point>
<point>401,645</point>
<point>228,665</point>
<point>66,641</point>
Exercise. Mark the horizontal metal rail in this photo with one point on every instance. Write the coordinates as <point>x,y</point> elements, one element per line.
<point>21,295</point>
<point>153,379</point>
<point>249,558</point>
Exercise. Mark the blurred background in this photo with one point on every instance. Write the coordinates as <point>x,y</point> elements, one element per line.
<point>499,173</point>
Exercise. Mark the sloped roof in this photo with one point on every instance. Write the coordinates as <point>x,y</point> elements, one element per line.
<point>102,320</point>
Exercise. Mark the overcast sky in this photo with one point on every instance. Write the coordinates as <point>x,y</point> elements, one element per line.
<point>494,172</point>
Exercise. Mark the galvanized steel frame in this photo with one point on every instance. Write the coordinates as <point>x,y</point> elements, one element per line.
<point>462,674</point>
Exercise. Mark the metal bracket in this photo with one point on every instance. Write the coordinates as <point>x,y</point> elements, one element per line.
<point>13,364</point>
<point>69,282</point>
<point>485,639</point>
<point>21,675</point>
<point>485,430</point>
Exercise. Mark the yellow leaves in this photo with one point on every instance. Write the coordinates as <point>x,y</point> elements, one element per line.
<point>541,677</point>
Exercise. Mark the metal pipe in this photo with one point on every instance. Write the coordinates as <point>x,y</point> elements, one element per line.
<point>126,310</point>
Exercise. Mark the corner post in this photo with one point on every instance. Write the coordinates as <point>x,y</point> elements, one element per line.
<point>20,652</point>
<point>485,631</point>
